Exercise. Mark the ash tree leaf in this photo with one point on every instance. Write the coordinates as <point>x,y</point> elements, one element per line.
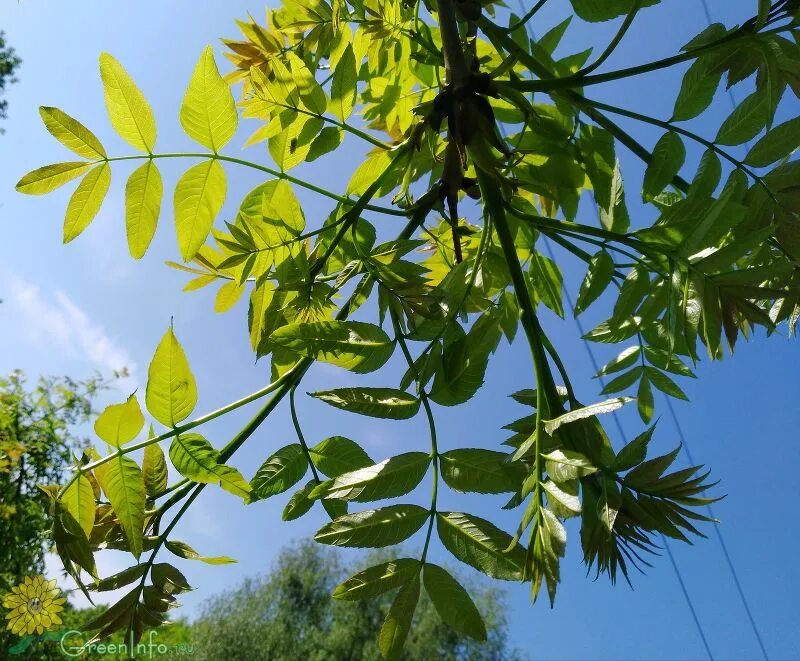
<point>607,406</point>
<point>227,296</point>
<point>746,121</point>
<point>79,501</point>
<point>633,453</point>
<point>344,85</point>
<point>634,289</point>
<point>327,141</point>
<point>128,110</point>
<point>708,175</point>
<point>196,459</point>
<point>208,112</point>
<point>700,83</point>
<point>198,198</point>
<point>481,544</point>
<point>311,94</point>
<point>354,345</point>
<point>143,194</point>
<point>778,143</point>
<point>565,465</point>
<point>171,389</point>
<point>393,633</point>
<point>390,478</point>
<point>453,602</point>
<point>154,468</point>
<point>122,482</point>
<point>47,178</point>
<point>668,157</point>
<point>375,402</point>
<point>183,550</point>
<point>285,468</point>
<point>664,383</point>
<point>300,502</point>
<point>604,10</point>
<point>121,579</point>
<point>119,424</point>
<point>71,133</point>
<point>374,528</point>
<point>369,170</point>
<point>563,497</point>
<point>337,455</point>
<point>86,201</point>
<point>625,359</point>
<point>377,580</point>
<point>474,470</point>
<point>644,399</point>
<point>598,277</point>
<point>547,282</point>
<point>168,579</point>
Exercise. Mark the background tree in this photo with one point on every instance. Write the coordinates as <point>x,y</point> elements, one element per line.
<point>465,113</point>
<point>9,61</point>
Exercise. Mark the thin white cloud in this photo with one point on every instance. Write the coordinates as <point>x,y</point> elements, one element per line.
<point>57,321</point>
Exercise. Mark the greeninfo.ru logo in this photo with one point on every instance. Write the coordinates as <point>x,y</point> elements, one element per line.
<point>73,644</point>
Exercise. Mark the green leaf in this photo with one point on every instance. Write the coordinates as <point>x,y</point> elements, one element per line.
<point>353,345</point>
<point>369,170</point>
<point>171,389</point>
<point>280,472</point>
<point>377,580</point>
<point>474,470</point>
<point>169,580</point>
<point>598,277</point>
<point>394,631</point>
<point>195,458</point>
<point>668,157</point>
<point>563,497</point>
<point>198,198</point>
<point>71,133</point>
<point>608,406</point>
<point>311,93</point>
<point>120,423</point>
<point>547,282</point>
<point>390,478</point>
<point>343,86</point>
<point>625,359</point>
<point>746,121</point>
<point>633,453</point>
<point>86,201</point>
<point>644,399</point>
<point>79,501</point>
<point>374,528</point>
<point>634,289</point>
<point>453,603</point>
<point>605,10</point>
<point>623,381</point>
<point>183,550</point>
<point>708,175</point>
<point>700,83</point>
<point>481,544</point>
<point>122,481</point>
<point>208,112</point>
<point>337,455</point>
<point>327,141</point>
<point>778,143</point>
<point>227,296</point>
<point>565,465</point>
<point>376,402</point>
<point>664,383</point>
<point>143,194</point>
<point>121,579</point>
<point>128,110</point>
<point>154,468</point>
<point>47,178</point>
<point>300,502</point>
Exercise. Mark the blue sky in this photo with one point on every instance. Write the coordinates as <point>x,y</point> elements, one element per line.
<point>69,310</point>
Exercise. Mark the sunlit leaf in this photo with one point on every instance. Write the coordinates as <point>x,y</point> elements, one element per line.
<point>128,110</point>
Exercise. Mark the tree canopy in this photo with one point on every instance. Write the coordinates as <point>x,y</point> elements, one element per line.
<point>488,142</point>
<point>9,62</point>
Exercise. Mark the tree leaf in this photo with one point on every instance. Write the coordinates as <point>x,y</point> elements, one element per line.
<point>374,528</point>
<point>120,423</point>
<point>394,631</point>
<point>208,112</point>
<point>300,502</point>
<point>775,145</point>
<point>368,171</point>
<point>481,544</point>
<point>183,550</point>
<point>633,453</point>
<point>71,133</point>
<point>123,484</point>
<point>143,194</point>
<point>608,406</point>
<point>86,201</point>
<point>199,196</point>
<point>746,121</point>
<point>377,580</point>
<point>644,399</point>
<point>376,402</point>
<point>79,501</point>
<point>344,85</point>
<point>353,345</point>
<point>474,470</point>
<point>453,602</point>
<point>168,579</point>
<point>598,277</point>
<point>605,10</point>
<point>285,468</point>
<point>338,455</point>
<point>128,110</point>
<point>664,383</point>
<point>700,83</point>
<point>390,478</point>
<point>154,468</point>
<point>121,579</point>
<point>196,459</point>
<point>563,497</point>
<point>171,389</point>
<point>565,465</point>
<point>668,157</point>
<point>47,178</point>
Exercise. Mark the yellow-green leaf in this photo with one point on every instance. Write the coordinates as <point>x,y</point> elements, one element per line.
<point>128,110</point>
<point>369,170</point>
<point>143,195</point>
<point>227,296</point>
<point>121,480</point>
<point>171,389</point>
<point>310,91</point>
<point>120,423</point>
<point>86,201</point>
<point>154,468</point>
<point>47,178</point>
<point>183,550</point>
<point>71,133</point>
<point>195,458</point>
<point>208,112</point>
<point>79,501</point>
<point>343,85</point>
<point>199,196</point>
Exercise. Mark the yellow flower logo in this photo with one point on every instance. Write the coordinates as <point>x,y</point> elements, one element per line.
<point>35,604</point>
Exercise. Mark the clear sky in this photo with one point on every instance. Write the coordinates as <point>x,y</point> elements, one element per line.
<point>69,310</point>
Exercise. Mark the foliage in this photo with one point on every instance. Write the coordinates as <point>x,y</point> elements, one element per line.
<point>458,102</point>
<point>9,62</point>
<point>289,614</point>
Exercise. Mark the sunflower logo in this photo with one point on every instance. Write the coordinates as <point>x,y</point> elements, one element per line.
<point>34,606</point>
